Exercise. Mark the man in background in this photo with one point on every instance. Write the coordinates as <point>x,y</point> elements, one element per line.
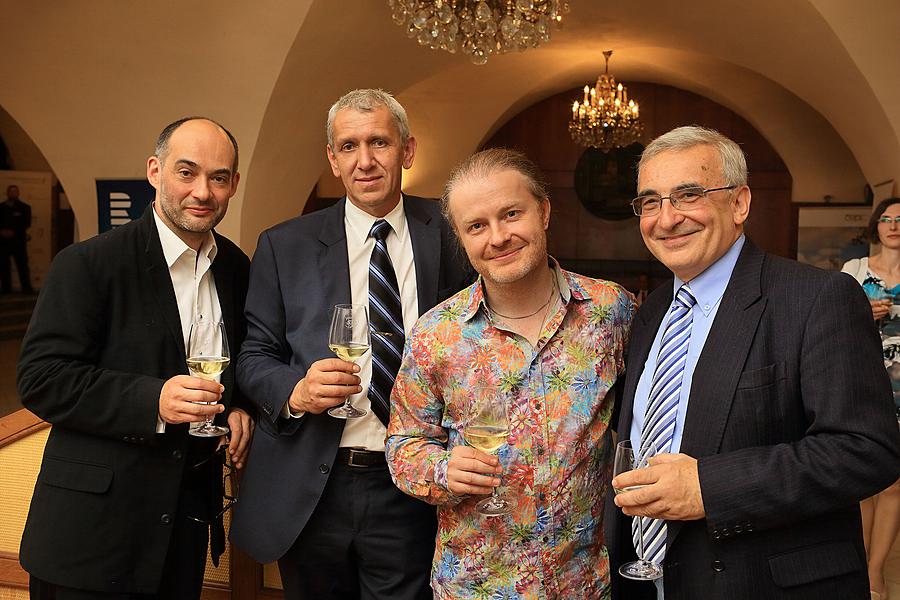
<point>126,502</point>
<point>15,219</point>
<point>546,344</point>
<point>759,381</point>
<point>317,496</point>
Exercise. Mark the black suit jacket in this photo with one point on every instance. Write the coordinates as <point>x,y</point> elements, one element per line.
<point>104,337</point>
<point>299,272</point>
<point>790,418</point>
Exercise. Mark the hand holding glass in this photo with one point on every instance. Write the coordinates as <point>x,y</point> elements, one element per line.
<point>349,339</point>
<point>207,357</point>
<point>627,460</point>
<point>488,431</point>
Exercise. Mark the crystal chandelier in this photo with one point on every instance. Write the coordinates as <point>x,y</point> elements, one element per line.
<point>479,28</point>
<point>606,119</point>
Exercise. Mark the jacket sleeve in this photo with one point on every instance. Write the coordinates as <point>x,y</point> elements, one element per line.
<point>59,376</point>
<point>850,448</point>
<point>264,372</point>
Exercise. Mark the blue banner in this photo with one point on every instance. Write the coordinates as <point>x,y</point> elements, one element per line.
<point>121,201</point>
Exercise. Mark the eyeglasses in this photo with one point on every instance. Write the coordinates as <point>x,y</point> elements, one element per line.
<point>228,485</point>
<point>684,200</point>
<point>888,220</point>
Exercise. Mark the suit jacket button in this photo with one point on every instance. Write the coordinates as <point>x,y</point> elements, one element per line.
<point>717,535</point>
<point>738,529</point>
<point>717,566</point>
<point>177,454</point>
<point>165,519</point>
<point>267,409</point>
<point>323,468</point>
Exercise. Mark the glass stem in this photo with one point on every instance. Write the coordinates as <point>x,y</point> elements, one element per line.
<point>640,538</point>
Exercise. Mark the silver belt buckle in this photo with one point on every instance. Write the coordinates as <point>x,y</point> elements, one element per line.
<point>354,452</point>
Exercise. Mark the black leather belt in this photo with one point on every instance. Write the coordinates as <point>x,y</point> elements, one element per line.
<point>360,458</point>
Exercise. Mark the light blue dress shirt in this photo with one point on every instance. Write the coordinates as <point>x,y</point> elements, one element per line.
<point>708,288</point>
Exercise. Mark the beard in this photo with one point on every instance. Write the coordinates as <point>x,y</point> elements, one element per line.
<point>534,256</point>
<point>183,221</point>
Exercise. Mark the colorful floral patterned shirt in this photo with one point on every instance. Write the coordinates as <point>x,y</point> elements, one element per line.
<point>557,462</point>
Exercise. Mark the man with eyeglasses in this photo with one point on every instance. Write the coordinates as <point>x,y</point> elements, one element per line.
<point>758,381</point>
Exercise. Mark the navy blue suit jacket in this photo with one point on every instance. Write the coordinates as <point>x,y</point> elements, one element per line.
<point>299,272</point>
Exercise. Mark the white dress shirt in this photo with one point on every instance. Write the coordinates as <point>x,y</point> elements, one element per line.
<point>368,432</point>
<point>192,280</point>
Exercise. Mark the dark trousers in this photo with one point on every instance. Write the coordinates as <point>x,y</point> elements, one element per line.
<point>365,540</point>
<point>18,252</point>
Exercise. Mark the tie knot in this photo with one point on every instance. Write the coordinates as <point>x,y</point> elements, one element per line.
<point>685,298</point>
<point>380,230</point>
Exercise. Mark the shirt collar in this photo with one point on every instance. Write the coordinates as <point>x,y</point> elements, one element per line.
<point>709,286</point>
<point>359,222</point>
<point>568,288</point>
<point>173,247</point>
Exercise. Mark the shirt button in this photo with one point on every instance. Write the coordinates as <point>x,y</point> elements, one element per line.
<point>717,566</point>
<point>323,468</point>
<point>545,539</point>
<point>165,519</point>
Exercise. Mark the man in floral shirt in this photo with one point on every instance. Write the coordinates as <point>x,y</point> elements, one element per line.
<point>551,344</point>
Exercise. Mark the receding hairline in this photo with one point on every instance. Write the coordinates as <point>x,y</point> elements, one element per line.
<point>161,151</point>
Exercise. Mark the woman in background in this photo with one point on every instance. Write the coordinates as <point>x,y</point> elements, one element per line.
<point>880,277</point>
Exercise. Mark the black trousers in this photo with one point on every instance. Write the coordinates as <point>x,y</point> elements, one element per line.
<point>365,540</point>
<point>18,252</point>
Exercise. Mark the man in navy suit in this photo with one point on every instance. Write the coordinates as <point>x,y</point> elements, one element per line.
<point>766,396</point>
<point>317,495</point>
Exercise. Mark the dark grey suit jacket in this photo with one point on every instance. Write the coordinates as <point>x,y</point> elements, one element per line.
<point>791,419</point>
<point>299,272</point>
<point>104,337</point>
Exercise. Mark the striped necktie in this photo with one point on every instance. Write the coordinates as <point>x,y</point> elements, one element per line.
<point>386,317</point>
<point>662,407</point>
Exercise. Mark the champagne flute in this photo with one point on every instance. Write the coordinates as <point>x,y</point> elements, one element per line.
<point>349,340</point>
<point>488,431</point>
<point>207,357</point>
<point>626,460</point>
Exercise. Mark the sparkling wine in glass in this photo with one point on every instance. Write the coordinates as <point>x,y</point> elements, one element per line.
<point>207,357</point>
<point>488,431</point>
<point>628,459</point>
<point>349,340</point>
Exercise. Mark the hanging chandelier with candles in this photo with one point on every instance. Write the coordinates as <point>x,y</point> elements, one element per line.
<point>606,118</point>
<point>479,28</point>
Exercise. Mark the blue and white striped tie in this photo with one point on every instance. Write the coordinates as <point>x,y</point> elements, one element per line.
<point>386,318</point>
<point>662,407</point>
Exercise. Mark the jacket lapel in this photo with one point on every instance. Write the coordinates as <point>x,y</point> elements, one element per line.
<point>224,278</point>
<point>425,234</point>
<point>333,258</point>
<point>722,360</point>
<point>160,283</point>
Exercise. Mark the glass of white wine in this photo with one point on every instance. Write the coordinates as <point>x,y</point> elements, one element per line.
<point>488,430</point>
<point>627,459</point>
<point>207,357</point>
<point>349,340</point>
